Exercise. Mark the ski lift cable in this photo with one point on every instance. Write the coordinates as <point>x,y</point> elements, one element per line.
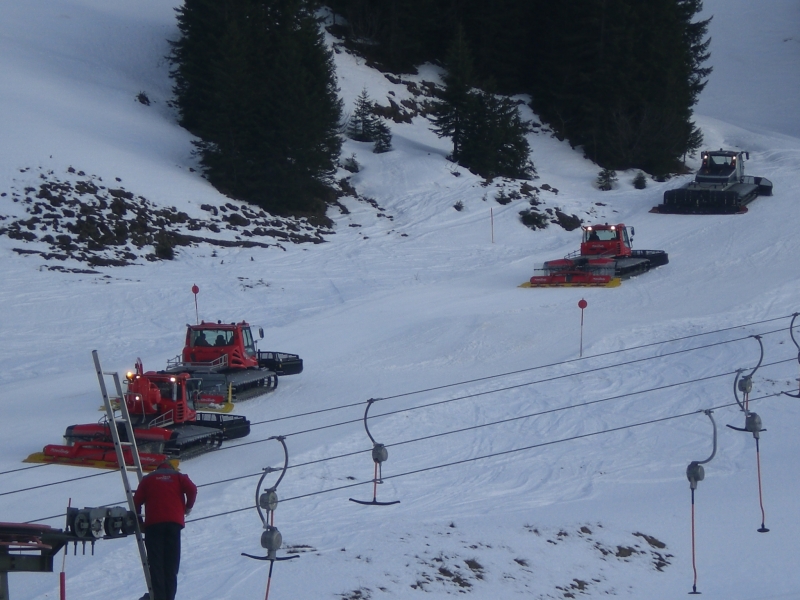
<point>472,427</point>
<point>440,402</point>
<point>353,453</point>
<point>545,366</point>
<point>43,485</point>
<point>468,396</point>
<point>611,352</point>
<point>459,462</point>
<point>496,454</point>
<point>477,394</point>
<point>23,469</point>
<point>510,419</point>
<point>461,430</point>
<point>511,387</point>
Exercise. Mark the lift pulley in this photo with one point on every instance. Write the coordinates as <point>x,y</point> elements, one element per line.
<point>744,384</point>
<point>379,455</point>
<point>271,538</point>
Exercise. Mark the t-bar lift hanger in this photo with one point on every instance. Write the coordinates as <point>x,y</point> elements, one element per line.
<point>752,422</point>
<point>379,455</point>
<point>271,538</point>
<point>791,333</point>
<point>696,473</point>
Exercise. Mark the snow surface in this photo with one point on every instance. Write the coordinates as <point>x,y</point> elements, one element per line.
<point>414,295</point>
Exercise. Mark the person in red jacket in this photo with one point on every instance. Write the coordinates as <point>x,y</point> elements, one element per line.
<point>168,496</point>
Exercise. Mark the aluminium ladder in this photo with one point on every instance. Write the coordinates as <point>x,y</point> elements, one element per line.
<point>120,446</point>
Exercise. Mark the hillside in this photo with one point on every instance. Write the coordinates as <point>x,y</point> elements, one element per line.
<point>402,299</point>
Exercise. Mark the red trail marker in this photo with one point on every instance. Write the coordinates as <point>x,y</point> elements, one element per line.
<point>582,304</point>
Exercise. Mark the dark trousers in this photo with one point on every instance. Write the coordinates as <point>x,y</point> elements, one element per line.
<point>163,543</point>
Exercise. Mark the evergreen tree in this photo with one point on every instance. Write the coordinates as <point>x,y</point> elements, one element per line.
<point>620,78</point>
<point>617,77</point>
<point>694,45</point>
<point>493,138</point>
<point>487,132</point>
<point>499,34</point>
<point>383,137</point>
<point>455,99</point>
<point>361,125</point>
<point>606,179</point>
<point>397,34</point>
<point>256,83</point>
<point>366,126</point>
<point>201,24</point>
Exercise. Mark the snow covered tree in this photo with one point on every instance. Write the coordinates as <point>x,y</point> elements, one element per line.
<point>606,179</point>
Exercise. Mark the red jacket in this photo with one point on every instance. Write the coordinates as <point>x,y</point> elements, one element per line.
<point>166,495</point>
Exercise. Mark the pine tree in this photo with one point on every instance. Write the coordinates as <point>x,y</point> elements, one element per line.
<point>455,99</point>
<point>695,44</point>
<point>617,77</point>
<point>397,34</point>
<point>201,24</point>
<point>620,78</point>
<point>499,33</point>
<point>366,126</point>
<point>493,138</point>
<point>361,125</point>
<point>606,179</point>
<point>256,83</point>
<point>383,137</point>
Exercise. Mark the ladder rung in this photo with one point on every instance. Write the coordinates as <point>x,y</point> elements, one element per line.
<point>124,469</point>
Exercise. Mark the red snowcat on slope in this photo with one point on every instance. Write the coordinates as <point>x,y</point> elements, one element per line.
<point>162,408</point>
<point>604,260</point>
<point>225,358</point>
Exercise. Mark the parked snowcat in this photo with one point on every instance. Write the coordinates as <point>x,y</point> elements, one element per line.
<point>720,187</point>
<point>166,425</point>
<point>604,260</point>
<point>225,358</point>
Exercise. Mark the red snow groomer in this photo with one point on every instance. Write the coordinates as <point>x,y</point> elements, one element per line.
<point>225,358</point>
<point>166,424</point>
<point>604,260</point>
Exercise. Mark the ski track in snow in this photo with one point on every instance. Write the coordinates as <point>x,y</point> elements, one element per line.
<point>416,299</point>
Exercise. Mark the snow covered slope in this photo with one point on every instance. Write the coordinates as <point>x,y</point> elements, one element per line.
<point>563,478</point>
